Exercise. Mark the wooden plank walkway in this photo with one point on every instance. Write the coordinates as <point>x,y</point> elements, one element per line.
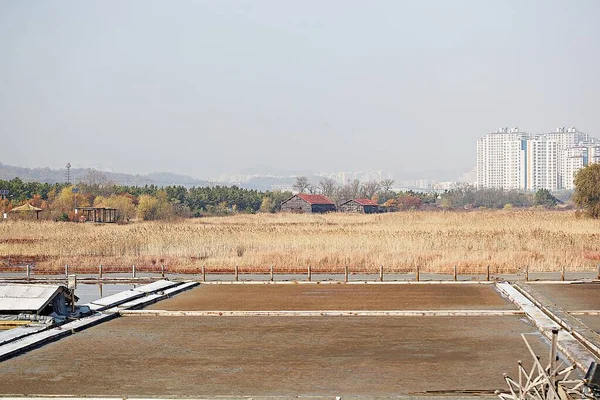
<point>567,343</point>
<point>565,319</point>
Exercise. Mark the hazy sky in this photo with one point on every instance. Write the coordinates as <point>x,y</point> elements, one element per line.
<point>200,87</point>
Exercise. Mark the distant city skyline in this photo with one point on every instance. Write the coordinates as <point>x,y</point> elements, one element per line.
<point>510,158</point>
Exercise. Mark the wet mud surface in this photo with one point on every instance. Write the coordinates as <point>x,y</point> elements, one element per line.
<point>592,321</point>
<point>262,356</point>
<point>337,297</point>
<point>572,297</point>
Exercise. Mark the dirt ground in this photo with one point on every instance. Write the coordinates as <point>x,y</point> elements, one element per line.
<point>262,356</point>
<point>572,297</point>
<point>337,297</point>
<point>592,321</point>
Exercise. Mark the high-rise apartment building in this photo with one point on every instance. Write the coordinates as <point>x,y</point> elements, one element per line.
<point>541,166</point>
<point>500,159</point>
<point>511,159</point>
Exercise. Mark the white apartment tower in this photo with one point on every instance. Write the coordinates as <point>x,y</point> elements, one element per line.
<point>541,166</point>
<point>511,159</point>
<point>501,159</point>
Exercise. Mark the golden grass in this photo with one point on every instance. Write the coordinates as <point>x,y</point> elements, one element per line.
<point>436,241</point>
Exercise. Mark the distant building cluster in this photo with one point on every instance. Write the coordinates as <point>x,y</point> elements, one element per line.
<point>511,159</point>
<point>344,177</point>
<point>426,185</point>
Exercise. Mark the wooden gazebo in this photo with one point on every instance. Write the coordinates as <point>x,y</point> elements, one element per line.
<point>27,209</point>
<point>102,215</point>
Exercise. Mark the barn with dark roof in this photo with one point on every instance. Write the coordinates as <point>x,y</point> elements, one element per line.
<point>308,203</point>
<point>366,206</point>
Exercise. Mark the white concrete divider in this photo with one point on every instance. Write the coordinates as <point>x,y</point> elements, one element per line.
<point>110,305</point>
<point>322,313</point>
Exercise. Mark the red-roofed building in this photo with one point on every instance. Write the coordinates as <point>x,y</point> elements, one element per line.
<point>308,203</point>
<point>366,206</point>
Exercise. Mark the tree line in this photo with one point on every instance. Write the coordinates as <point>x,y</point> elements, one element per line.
<point>151,202</point>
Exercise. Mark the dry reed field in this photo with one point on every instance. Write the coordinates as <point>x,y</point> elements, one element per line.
<point>506,240</point>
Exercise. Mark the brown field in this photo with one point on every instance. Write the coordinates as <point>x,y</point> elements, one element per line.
<point>337,297</point>
<point>572,297</point>
<point>275,356</point>
<point>506,240</point>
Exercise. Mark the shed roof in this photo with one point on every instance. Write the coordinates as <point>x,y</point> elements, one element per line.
<point>27,297</point>
<point>315,198</point>
<point>366,202</point>
<point>25,207</point>
<point>362,202</point>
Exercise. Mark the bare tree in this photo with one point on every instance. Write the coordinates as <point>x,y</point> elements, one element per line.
<point>302,184</point>
<point>386,185</point>
<point>95,178</point>
<point>349,191</point>
<point>368,189</point>
<point>385,192</point>
<point>328,187</point>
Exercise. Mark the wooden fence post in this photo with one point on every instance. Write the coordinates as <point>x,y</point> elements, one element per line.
<point>455,274</point>
<point>133,271</point>
<point>527,273</point>
<point>100,271</point>
<point>28,271</point>
<point>203,274</point>
<point>417,274</point>
<point>346,274</point>
<point>66,270</point>
<point>598,271</point>
<point>562,273</point>
<point>488,273</point>
<point>309,274</point>
<point>381,273</point>
<point>236,273</point>
<point>271,274</point>
<point>162,270</point>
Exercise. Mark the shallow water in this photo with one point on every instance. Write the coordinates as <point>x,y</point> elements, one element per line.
<point>88,292</point>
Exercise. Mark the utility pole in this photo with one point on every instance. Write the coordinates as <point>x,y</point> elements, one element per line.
<point>75,191</point>
<point>68,172</point>
<point>4,193</point>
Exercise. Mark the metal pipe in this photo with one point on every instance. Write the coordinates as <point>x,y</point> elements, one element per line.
<point>553,352</point>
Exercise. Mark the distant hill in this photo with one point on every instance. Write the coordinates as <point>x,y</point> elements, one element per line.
<point>8,172</point>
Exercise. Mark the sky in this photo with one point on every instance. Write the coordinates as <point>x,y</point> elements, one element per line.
<point>205,87</point>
